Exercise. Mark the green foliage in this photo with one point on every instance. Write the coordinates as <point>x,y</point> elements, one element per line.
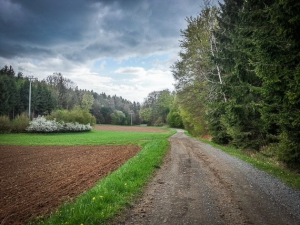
<point>5,124</point>
<point>118,118</point>
<point>106,112</point>
<point>197,76</point>
<point>8,94</point>
<point>253,47</point>
<point>288,149</point>
<point>14,95</point>
<point>191,101</point>
<point>217,129</point>
<point>20,123</point>
<point>145,114</point>
<point>240,114</point>
<point>87,101</point>
<point>242,125</point>
<point>174,118</point>
<point>159,121</point>
<point>239,75</point>
<point>156,107</point>
<point>7,71</point>
<point>274,55</point>
<point>43,101</point>
<point>58,92</point>
<point>76,115</point>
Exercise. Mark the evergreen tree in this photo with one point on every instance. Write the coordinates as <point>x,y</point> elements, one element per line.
<point>240,115</point>
<point>276,61</point>
<point>7,71</point>
<point>8,96</point>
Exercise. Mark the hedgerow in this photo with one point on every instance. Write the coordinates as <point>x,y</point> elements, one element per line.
<point>20,123</point>
<point>72,116</point>
<point>5,124</point>
<point>42,125</point>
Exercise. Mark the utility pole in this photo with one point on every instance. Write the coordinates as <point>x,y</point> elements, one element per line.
<point>131,118</point>
<point>30,78</point>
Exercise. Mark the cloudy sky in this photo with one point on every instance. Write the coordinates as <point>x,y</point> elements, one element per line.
<point>122,47</point>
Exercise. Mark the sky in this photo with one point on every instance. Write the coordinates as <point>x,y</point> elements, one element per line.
<point>120,47</point>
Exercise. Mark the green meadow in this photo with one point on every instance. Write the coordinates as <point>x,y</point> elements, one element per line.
<point>95,137</point>
<point>114,192</point>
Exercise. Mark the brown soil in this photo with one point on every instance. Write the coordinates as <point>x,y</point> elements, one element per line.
<point>35,180</point>
<point>129,128</point>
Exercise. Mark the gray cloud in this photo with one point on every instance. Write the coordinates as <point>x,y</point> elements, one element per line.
<point>43,23</point>
<point>91,27</point>
<point>10,50</point>
<point>73,37</point>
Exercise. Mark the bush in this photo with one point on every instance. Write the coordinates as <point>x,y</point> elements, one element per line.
<point>42,125</point>
<point>5,124</point>
<point>58,115</point>
<point>159,122</point>
<point>288,150</point>
<point>76,115</point>
<point>174,119</point>
<point>20,123</point>
<point>82,116</point>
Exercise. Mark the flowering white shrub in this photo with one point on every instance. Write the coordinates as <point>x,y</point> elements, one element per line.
<point>40,124</point>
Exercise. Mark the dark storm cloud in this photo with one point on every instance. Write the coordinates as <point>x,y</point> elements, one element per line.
<point>10,50</point>
<point>86,29</point>
<point>43,22</point>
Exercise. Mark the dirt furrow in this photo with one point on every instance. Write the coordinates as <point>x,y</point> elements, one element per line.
<point>35,180</point>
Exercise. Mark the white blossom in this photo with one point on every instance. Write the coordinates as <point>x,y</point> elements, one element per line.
<point>41,125</point>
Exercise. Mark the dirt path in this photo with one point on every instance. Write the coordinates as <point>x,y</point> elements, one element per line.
<point>199,184</point>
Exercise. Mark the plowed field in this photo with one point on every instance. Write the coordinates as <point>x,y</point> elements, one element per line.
<point>35,180</point>
<point>129,128</point>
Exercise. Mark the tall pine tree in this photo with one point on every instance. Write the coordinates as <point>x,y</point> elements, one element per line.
<point>276,58</point>
<point>240,114</point>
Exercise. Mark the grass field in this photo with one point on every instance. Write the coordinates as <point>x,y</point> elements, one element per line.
<point>115,191</point>
<point>95,137</point>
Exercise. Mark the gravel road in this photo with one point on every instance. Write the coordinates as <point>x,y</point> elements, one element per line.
<point>199,184</point>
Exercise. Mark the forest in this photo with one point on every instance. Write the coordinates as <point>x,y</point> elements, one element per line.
<point>59,93</point>
<point>238,76</point>
<point>237,80</point>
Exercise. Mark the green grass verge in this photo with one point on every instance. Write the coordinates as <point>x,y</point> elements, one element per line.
<point>112,193</point>
<point>94,137</point>
<point>261,162</point>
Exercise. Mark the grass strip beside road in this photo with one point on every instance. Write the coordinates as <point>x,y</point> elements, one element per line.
<point>112,193</point>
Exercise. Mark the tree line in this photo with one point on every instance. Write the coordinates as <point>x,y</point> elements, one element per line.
<point>57,93</point>
<point>238,76</point>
